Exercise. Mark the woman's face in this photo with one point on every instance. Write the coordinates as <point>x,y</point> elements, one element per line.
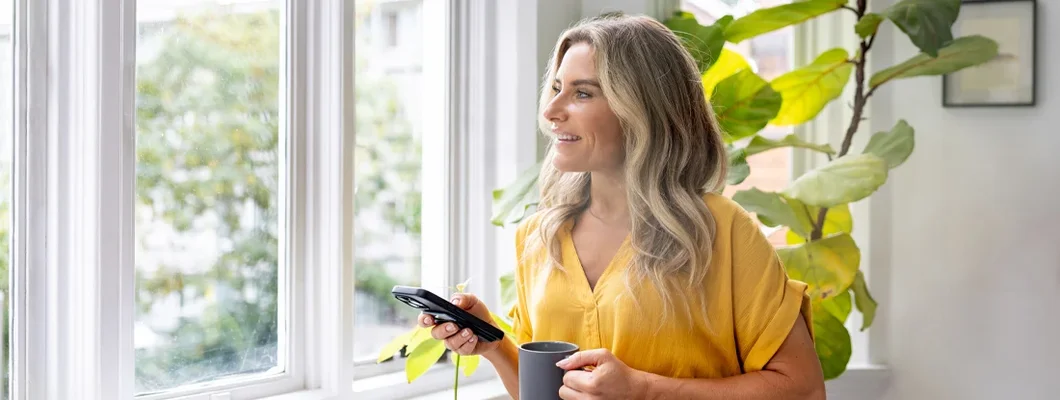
<point>587,133</point>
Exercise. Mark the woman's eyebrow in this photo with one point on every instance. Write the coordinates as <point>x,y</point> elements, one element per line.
<point>582,82</point>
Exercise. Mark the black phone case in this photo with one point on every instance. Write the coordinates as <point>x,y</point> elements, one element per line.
<point>444,311</point>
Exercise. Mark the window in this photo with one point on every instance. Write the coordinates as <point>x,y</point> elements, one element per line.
<point>389,175</point>
<point>772,55</point>
<point>208,216</point>
<point>191,184</point>
<point>6,164</point>
<point>181,203</point>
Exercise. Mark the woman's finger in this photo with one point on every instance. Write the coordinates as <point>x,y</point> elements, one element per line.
<point>425,320</point>
<point>458,340</point>
<point>468,347</point>
<point>443,331</point>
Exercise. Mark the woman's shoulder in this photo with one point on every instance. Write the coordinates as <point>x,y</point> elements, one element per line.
<point>725,211</point>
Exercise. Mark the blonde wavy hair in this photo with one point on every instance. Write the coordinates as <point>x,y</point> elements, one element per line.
<point>674,152</point>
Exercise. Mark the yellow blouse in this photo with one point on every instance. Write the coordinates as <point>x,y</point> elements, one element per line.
<point>751,305</point>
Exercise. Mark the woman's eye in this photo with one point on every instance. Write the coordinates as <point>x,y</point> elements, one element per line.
<point>555,89</point>
<point>583,95</point>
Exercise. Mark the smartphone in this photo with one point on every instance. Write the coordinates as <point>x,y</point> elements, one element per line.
<point>444,311</point>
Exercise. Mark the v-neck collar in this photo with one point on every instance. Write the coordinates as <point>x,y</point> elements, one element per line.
<point>572,260</point>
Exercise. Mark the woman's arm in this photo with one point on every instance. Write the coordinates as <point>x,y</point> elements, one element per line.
<point>794,372</point>
<point>505,359</point>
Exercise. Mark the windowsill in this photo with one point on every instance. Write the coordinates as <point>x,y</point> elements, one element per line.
<point>304,395</point>
<point>864,382</point>
<point>861,382</point>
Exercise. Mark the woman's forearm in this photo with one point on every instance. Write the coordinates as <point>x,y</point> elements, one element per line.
<point>505,359</point>
<point>759,385</point>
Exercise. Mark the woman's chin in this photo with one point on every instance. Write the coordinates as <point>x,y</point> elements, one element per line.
<point>566,165</point>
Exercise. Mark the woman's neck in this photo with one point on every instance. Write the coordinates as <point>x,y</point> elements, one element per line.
<point>608,201</point>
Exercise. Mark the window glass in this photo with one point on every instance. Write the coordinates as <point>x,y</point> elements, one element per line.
<point>388,169</point>
<point>208,162</point>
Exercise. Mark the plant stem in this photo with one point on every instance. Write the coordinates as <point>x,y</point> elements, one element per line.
<point>456,377</point>
<point>860,99</point>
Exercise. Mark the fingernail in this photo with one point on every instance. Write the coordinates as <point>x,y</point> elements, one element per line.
<point>472,340</point>
<point>428,321</point>
<point>456,300</point>
<point>450,328</point>
<point>466,332</point>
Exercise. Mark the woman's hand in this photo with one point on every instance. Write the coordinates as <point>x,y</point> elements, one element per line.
<point>609,377</point>
<point>462,341</point>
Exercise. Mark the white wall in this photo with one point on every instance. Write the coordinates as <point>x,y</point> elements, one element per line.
<point>969,241</point>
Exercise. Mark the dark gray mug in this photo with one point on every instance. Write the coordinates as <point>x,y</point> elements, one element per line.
<point>539,377</point>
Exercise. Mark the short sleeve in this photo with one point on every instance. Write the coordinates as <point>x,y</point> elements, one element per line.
<point>766,303</point>
<point>518,313</point>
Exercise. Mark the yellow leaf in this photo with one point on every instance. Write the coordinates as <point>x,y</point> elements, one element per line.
<point>421,335</point>
<point>501,323</point>
<point>421,359</point>
<point>727,65</point>
<point>394,346</point>
<point>468,364</point>
<point>808,89</point>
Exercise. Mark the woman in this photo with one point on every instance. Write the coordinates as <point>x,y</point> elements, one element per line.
<point>670,290</point>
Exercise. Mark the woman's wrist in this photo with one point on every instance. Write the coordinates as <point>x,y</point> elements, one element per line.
<point>648,385</point>
<point>503,350</point>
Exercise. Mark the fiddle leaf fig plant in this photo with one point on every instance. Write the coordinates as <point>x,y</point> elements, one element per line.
<point>815,207</point>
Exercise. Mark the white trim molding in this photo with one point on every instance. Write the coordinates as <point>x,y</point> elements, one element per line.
<point>90,158</point>
<point>330,140</point>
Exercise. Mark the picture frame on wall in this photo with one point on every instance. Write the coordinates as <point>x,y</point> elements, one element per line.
<point>1010,78</point>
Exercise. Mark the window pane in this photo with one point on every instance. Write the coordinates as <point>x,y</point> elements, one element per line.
<point>207,174</point>
<point>388,171</point>
<point>6,156</point>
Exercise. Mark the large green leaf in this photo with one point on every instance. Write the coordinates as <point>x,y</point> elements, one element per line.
<point>739,169</point>
<point>868,25</point>
<point>844,180</point>
<point>507,290</point>
<point>728,64</point>
<point>894,146</point>
<point>839,306</point>
<point>419,337</point>
<point>808,89</point>
<point>420,360</point>
<point>771,208</point>
<point>468,364</point>
<point>928,23</point>
<point>511,203</point>
<point>394,346</point>
<point>828,265</point>
<point>837,220</point>
<point>832,341</point>
<point>866,304</point>
<point>961,53</point>
<point>703,42</point>
<point>503,324</point>
<point>770,19</point>
<point>744,104</point>
<point>760,144</point>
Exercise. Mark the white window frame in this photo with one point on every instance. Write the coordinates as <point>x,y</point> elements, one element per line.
<point>74,190</point>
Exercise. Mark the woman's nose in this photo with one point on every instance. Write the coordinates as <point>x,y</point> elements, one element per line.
<point>554,110</point>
